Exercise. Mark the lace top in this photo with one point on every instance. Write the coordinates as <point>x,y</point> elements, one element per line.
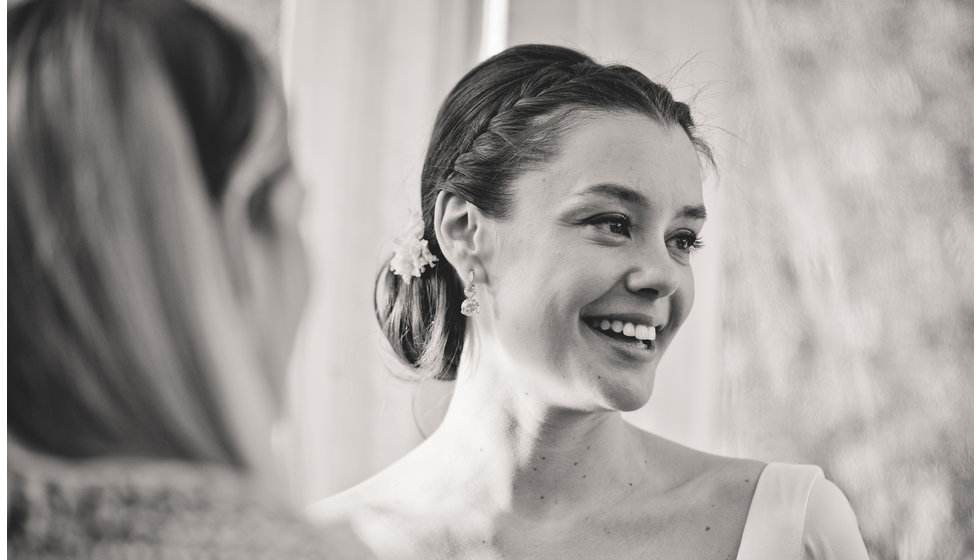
<point>114,508</point>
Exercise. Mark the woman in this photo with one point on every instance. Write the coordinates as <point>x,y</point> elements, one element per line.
<point>561,201</point>
<point>156,279</point>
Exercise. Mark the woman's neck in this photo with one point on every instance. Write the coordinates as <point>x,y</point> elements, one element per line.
<point>507,450</point>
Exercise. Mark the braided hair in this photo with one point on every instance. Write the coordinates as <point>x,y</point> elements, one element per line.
<point>504,117</point>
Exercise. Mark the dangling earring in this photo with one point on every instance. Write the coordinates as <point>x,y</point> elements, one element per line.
<point>470,306</point>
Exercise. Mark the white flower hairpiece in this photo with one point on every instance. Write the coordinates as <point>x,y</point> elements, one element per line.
<point>411,250</point>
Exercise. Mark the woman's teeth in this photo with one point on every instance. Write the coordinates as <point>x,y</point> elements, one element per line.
<point>639,332</point>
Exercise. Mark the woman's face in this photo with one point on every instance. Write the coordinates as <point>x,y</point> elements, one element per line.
<point>590,278</point>
<point>265,200</point>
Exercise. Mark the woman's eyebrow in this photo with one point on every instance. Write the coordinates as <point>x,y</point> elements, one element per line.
<point>636,198</point>
<point>697,212</point>
<point>625,194</point>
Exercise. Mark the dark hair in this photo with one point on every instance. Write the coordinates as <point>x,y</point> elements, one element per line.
<point>214,70</point>
<point>103,96</point>
<point>504,117</point>
<point>217,77</point>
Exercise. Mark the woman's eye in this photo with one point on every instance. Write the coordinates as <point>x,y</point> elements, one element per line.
<point>259,205</point>
<point>687,242</point>
<point>613,224</point>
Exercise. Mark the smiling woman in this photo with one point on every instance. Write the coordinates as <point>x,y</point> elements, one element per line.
<point>564,197</point>
<point>601,234</point>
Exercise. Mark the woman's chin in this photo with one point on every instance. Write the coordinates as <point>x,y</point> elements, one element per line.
<point>624,395</point>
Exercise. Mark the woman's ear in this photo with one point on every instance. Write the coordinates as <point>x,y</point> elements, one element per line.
<point>457,224</point>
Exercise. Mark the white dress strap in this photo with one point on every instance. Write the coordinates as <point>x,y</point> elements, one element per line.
<point>774,526</point>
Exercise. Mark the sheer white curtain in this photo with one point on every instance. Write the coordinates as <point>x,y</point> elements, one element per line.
<point>364,79</point>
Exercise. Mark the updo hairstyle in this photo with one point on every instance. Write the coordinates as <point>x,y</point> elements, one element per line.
<point>502,119</point>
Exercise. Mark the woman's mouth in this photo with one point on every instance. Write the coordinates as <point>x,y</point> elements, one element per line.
<point>636,335</point>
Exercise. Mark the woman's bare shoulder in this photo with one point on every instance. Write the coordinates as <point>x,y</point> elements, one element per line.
<point>348,507</point>
<point>372,513</point>
<point>380,502</point>
<point>696,466</point>
<point>350,518</point>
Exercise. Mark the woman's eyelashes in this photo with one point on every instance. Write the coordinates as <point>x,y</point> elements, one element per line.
<point>262,201</point>
<point>612,225</point>
<point>260,204</point>
<point>686,242</point>
<point>618,225</point>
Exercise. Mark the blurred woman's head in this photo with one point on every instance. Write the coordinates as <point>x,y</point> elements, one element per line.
<point>515,114</point>
<point>155,271</point>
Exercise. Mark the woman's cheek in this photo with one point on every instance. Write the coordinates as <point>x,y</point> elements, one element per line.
<point>682,300</point>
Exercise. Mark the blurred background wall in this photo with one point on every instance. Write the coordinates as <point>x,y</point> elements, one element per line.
<point>834,316</point>
<point>848,275</point>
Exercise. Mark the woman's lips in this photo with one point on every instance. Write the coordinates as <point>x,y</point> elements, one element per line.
<point>626,329</point>
<point>630,346</point>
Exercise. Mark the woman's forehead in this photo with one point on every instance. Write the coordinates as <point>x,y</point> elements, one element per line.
<point>628,150</point>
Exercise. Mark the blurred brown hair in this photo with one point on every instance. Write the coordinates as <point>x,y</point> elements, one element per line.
<point>124,119</point>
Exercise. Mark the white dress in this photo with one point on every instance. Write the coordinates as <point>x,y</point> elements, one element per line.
<point>798,514</point>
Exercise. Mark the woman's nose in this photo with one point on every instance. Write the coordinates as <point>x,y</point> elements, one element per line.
<point>655,273</point>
